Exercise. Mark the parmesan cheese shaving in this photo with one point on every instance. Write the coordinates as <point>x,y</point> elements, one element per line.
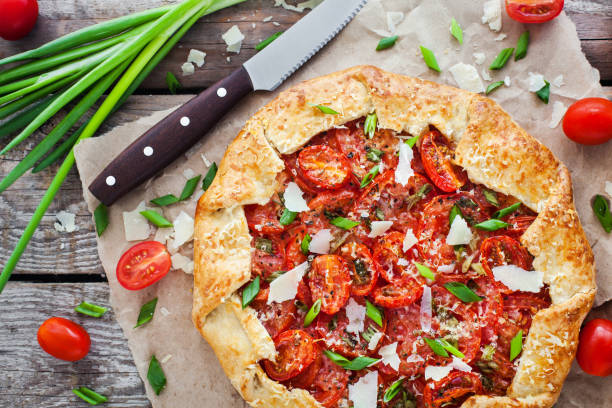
<point>404,171</point>
<point>300,7</point>
<point>389,355</point>
<point>233,38</point>
<point>374,340</point>
<point>409,240</point>
<point>479,57</point>
<point>460,365</point>
<point>459,233</point>
<point>356,316</point>
<point>466,76</point>
<point>507,81</point>
<point>558,112</point>
<point>379,228</point>
<point>485,75</point>
<point>320,242</point>
<point>426,312</point>
<point>558,81</point>
<point>492,14</point>
<point>294,200</point>
<point>183,229</point>
<point>364,392</point>
<point>437,373</point>
<point>196,57</point>
<point>135,226</point>
<point>608,188</point>
<point>394,18</point>
<point>66,222</point>
<point>501,37</point>
<point>516,278</point>
<point>285,286</point>
<point>535,82</point>
<point>182,262</point>
<point>188,69</point>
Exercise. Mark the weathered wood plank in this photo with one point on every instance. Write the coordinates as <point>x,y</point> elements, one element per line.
<point>31,378</point>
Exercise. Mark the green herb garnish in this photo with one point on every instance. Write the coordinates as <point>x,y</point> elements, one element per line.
<point>487,352</point>
<point>344,223</point>
<point>418,196</point>
<point>430,59</point>
<point>312,313</point>
<point>90,309</point>
<point>455,211</point>
<point>288,217</point>
<point>264,244</point>
<point>516,345</point>
<point>369,333</point>
<point>602,212</point>
<point>500,61</point>
<point>456,31</point>
<point>249,293</point>
<point>305,245</point>
<point>491,225</point>
<point>394,388</point>
<point>424,271</point>
<point>369,126</point>
<point>274,275</point>
<point>450,348</point>
<point>146,313</point>
<point>380,215</point>
<point>173,83</point>
<point>412,141</point>
<point>325,109</point>
<point>521,46</point>
<point>359,363</point>
<point>436,347</point>
<point>187,192</point>
<point>386,42</point>
<point>493,86</point>
<point>267,41</point>
<point>209,177</point>
<point>374,313</point>
<point>101,218</point>
<point>163,201</point>
<point>367,179</point>
<point>462,292</point>
<point>491,197</point>
<point>506,211</point>
<point>156,219</point>
<point>156,376</point>
<point>374,155</point>
<point>544,92</point>
<point>89,396</point>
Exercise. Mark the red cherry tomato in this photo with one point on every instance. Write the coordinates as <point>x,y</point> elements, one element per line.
<point>533,11</point>
<point>63,339</point>
<point>17,18</point>
<point>268,256</point>
<point>143,264</point>
<point>595,347</point>
<point>589,121</point>
<point>437,155</point>
<point>363,269</point>
<point>330,384</point>
<point>323,167</point>
<point>264,218</point>
<point>275,317</point>
<point>403,294</point>
<point>330,281</point>
<point>503,250</point>
<point>452,389</point>
<point>296,351</point>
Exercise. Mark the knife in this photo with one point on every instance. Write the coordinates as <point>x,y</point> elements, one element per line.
<point>181,129</point>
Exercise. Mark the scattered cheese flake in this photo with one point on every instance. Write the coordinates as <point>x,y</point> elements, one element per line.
<point>182,262</point>
<point>66,222</point>
<point>403,262</point>
<point>364,392</point>
<point>394,18</point>
<point>197,57</point>
<point>389,355</point>
<point>374,340</point>
<point>164,311</point>
<point>320,242</point>
<point>275,23</point>
<point>233,38</point>
<point>409,240</point>
<point>188,69</point>
<point>285,286</point>
<point>558,112</point>
<point>535,82</point>
<point>414,358</point>
<point>162,235</point>
<point>501,37</point>
<point>492,14</point>
<point>460,365</point>
<point>136,227</point>
<point>183,229</point>
<point>269,18</point>
<point>479,57</point>
<point>293,198</point>
<point>558,81</point>
<point>299,7</point>
<point>466,76</point>
<point>426,312</point>
<point>379,228</point>
<point>355,313</point>
<point>437,373</point>
<point>608,188</point>
<point>516,278</point>
<point>404,171</point>
<point>166,358</point>
<point>207,162</point>
<point>507,81</point>
<point>188,173</point>
<point>446,268</point>
<point>485,74</point>
<point>459,233</point>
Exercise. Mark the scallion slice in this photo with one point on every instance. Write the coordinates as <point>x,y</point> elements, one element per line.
<point>500,61</point>
<point>430,59</point>
<point>369,126</point>
<point>312,313</point>
<point>602,212</point>
<point>491,225</point>
<point>367,179</point>
<point>359,363</point>
<point>249,293</point>
<point>101,218</point>
<point>90,309</point>
<point>462,292</point>
<point>392,391</point>
<point>521,46</point>
<point>146,313</point>
<point>89,396</point>
<point>156,218</point>
<point>163,201</point>
<point>544,92</point>
<point>386,42</point>
<point>189,188</point>
<point>173,83</point>
<point>305,245</point>
<point>287,217</point>
<point>325,109</point>
<point>156,376</point>
<point>374,313</point>
<point>516,345</point>
<point>456,31</point>
<point>493,86</point>
<point>491,197</point>
<point>374,155</point>
<point>450,348</point>
<point>209,177</point>
<point>344,223</point>
<point>455,211</point>
<point>412,141</point>
<point>425,271</point>
<point>506,211</point>
<point>436,347</point>
<point>274,275</point>
<point>267,41</point>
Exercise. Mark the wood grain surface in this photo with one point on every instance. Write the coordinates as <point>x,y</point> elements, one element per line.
<point>58,270</point>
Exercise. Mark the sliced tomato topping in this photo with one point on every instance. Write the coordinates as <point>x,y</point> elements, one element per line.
<point>330,383</point>
<point>503,250</point>
<point>403,294</point>
<point>437,156</point>
<point>490,309</point>
<point>396,266</point>
<point>330,280</point>
<point>519,224</point>
<point>306,378</point>
<point>296,350</point>
<point>533,11</point>
<point>293,247</point>
<point>268,256</point>
<point>275,317</point>
<point>323,167</point>
<point>143,264</point>
<point>497,372</point>
<point>364,271</point>
<point>264,218</point>
<point>452,389</point>
<point>333,200</point>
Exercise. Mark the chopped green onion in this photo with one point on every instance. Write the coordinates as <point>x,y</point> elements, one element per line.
<point>456,31</point>
<point>165,200</point>
<point>173,83</point>
<point>374,313</point>
<point>374,155</point>
<point>436,347</point>
<point>500,61</point>
<point>450,348</point>
<point>287,217</point>
<point>156,218</point>
<point>506,211</point>
<point>602,212</point>
<point>487,352</point>
<point>312,313</point>
<point>491,225</point>
<point>344,223</point>
<point>369,333</point>
<point>425,271</point>
<point>90,309</point>
<point>430,59</point>
<point>209,177</point>
<point>101,218</point>
<point>455,211</point>
<point>367,179</point>
<point>418,196</point>
<point>249,293</point>
<point>521,46</point>
<point>493,86</point>
<point>462,292</point>
<point>359,363</point>
<point>274,275</point>
<point>189,188</point>
<point>325,109</point>
<point>516,345</point>
<point>267,41</point>
<point>379,214</point>
<point>369,126</point>
<point>412,141</point>
<point>146,313</point>
<point>491,197</point>
<point>392,391</point>
<point>386,42</point>
<point>305,245</point>
<point>544,92</point>
<point>156,376</point>
<point>89,396</point>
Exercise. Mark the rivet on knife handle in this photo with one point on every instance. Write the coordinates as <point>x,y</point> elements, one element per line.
<point>169,138</point>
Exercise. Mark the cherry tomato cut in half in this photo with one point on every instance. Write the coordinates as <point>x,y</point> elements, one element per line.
<point>589,121</point>
<point>595,347</point>
<point>436,154</point>
<point>17,18</point>
<point>296,351</point>
<point>143,264</point>
<point>323,167</point>
<point>63,339</point>
<point>533,11</point>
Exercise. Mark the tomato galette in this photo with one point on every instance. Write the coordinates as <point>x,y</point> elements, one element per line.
<point>375,240</point>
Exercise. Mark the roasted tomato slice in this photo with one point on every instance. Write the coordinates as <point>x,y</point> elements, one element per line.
<point>275,317</point>
<point>143,264</point>
<point>296,350</point>
<point>533,11</point>
<point>503,250</point>
<point>520,307</point>
<point>399,295</point>
<point>293,247</point>
<point>452,389</point>
<point>490,309</point>
<point>323,167</point>
<point>268,256</point>
<point>437,156</point>
<point>519,224</point>
<point>330,280</point>
<point>306,378</point>
<point>496,371</point>
<point>396,266</point>
<point>333,200</point>
<point>364,271</point>
<point>264,218</point>
<point>330,383</point>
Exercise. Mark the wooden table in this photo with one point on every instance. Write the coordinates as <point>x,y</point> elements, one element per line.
<point>59,270</point>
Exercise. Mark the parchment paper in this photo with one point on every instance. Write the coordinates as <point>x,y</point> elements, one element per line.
<point>195,378</point>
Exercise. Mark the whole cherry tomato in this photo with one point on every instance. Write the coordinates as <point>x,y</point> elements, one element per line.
<point>533,11</point>
<point>17,18</point>
<point>589,121</point>
<point>143,264</point>
<point>63,339</point>
<point>595,347</point>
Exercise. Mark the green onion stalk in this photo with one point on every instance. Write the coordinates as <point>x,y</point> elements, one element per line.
<point>78,69</point>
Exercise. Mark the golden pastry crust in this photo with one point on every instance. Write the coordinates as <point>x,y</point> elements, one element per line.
<point>492,148</point>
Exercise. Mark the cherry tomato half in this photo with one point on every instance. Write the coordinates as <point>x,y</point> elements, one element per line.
<point>143,264</point>
<point>589,121</point>
<point>595,347</point>
<point>63,339</point>
<point>454,388</point>
<point>296,351</point>
<point>437,155</point>
<point>323,167</point>
<point>330,281</point>
<point>17,18</point>
<point>533,11</point>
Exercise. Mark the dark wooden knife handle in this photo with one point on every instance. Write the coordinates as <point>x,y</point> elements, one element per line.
<point>169,138</point>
